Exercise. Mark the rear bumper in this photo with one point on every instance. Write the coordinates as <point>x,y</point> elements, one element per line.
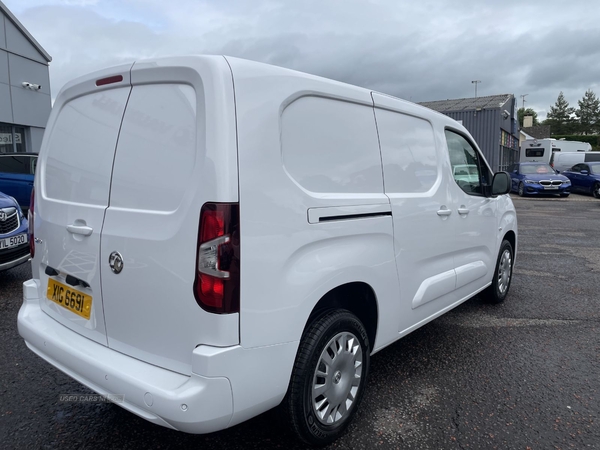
<point>203,402</point>
<point>194,404</point>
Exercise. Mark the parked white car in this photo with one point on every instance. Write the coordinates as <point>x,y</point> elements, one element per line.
<point>215,236</point>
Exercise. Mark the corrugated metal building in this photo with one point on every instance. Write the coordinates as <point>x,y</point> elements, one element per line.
<point>491,120</point>
<point>25,102</point>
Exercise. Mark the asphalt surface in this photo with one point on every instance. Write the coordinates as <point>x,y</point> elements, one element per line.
<point>523,374</point>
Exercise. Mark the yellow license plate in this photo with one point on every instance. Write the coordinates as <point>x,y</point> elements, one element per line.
<point>69,298</point>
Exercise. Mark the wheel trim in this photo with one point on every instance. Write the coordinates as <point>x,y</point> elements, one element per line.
<point>521,189</point>
<point>337,378</point>
<point>504,271</point>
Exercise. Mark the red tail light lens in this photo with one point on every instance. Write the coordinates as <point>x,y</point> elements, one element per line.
<point>30,216</point>
<point>217,284</point>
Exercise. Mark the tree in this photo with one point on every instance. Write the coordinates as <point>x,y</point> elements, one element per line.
<point>560,117</point>
<point>589,113</point>
<point>521,113</point>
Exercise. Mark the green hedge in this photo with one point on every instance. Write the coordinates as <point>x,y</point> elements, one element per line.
<point>593,139</point>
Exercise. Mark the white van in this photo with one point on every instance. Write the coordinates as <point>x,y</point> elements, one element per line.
<point>561,145</point>
<point>563,161</point>
<point>213,237</point>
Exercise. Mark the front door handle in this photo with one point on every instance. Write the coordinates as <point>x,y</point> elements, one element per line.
<point>464,211</point>
<point>83,230</point>
<point>444,212</point>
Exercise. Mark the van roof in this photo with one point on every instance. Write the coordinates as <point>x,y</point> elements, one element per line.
<point>217,60</point>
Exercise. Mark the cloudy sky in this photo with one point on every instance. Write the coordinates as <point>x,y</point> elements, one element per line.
<point>418,50</point>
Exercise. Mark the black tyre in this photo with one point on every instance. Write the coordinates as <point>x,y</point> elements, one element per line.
<point>498,291</point>
<point>521,189</point>
<point>564,195</point>
<point>596,190</point>
<point>329,377</point>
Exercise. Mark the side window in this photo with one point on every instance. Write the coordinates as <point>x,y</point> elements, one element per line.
<point>14,164</point>
<point>576,168</point>
<point>408,152</point>
<point>468,168</point>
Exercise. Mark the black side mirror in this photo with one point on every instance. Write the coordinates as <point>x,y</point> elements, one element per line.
<point>500,184</point>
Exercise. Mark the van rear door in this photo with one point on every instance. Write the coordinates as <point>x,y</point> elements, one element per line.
<point>72,193</point>
<point>177,150</point>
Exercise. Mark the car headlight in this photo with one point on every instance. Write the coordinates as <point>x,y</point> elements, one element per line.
<point>567,181</point>
<point>530,182</point>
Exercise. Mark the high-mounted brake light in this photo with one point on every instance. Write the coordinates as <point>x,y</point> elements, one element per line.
<point>217,284</point>
<point>109,80</point>
<point>30,215</point>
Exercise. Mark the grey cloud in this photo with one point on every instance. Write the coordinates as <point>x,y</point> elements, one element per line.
<point>420,51</point>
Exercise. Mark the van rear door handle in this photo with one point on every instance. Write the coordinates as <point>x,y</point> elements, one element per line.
<point>444,212</point>
<point>80,229</point>
<point>463,210</point>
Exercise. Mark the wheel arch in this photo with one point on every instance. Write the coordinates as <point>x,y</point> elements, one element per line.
<point>511,237</point>
<point>357,297</point>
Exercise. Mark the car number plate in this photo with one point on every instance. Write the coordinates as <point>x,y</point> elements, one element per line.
<point>13,241</point>
<point>550,187</point>
<point>69,298</point>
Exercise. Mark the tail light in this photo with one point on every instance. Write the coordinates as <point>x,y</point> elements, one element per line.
<point>30,218</point>
<point>217,284</point>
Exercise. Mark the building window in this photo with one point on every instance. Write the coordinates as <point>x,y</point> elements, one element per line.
<point>508,156</point>
<point>509,150</point>
<point>12,139</point>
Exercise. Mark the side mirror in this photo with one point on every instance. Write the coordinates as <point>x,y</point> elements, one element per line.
<point>584,172</point>
<point>500,184</point>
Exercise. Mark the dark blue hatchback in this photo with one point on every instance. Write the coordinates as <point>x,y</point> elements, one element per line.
<point>16,176</point>
<point>535,178</point>
<point>14,246</point>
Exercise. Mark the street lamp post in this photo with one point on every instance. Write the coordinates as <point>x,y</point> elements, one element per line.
<point>476,82</point>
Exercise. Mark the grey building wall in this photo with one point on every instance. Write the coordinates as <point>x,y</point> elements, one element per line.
<point>484,126</point>
<point>23,61</point>
<point>491,120</point>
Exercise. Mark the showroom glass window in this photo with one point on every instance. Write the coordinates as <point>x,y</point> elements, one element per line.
<point>468,168</point>
<point>12,139</point>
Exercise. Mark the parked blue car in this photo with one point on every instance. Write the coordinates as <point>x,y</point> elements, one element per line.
<point>16,176</point>
<point>14,244</point>
<point>534,178</point>
<point>585,178</point>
